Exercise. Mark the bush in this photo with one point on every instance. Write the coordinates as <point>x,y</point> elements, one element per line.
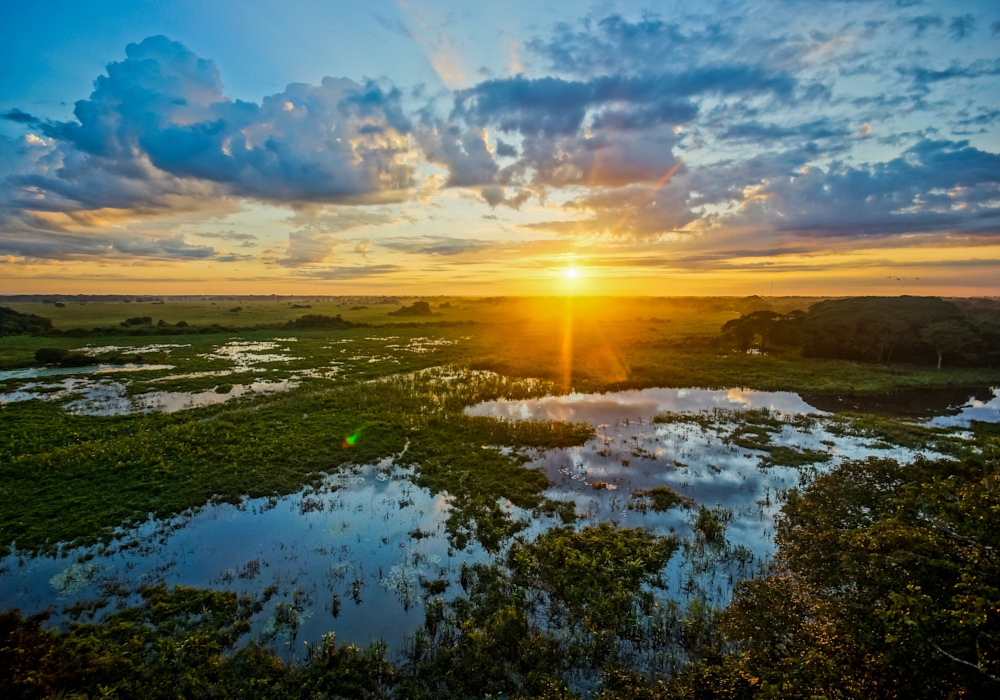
<point>15,323</point>
<point>319,322</point>
<point>417,308</point>
<point>63,358</point>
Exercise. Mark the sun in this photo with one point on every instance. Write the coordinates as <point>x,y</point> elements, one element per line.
<point>571,273</point>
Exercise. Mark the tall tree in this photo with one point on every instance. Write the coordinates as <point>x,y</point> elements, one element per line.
<point>951,337</point>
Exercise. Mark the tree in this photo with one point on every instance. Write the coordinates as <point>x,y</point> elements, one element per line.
<point>762,326</point>
<point>948,337</point>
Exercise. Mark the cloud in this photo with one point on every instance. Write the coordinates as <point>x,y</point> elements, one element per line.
<point>16,115</point>
<point>158,136</point>
<point>495,196</point>
<point>436,245</point>
<point>961,27</point>
<point>350,272</point>
<point>233,257</point>
<point>976,69</point>
<point>464,152</point>
<point>35,246</point>
<point>553,106</point>
<point>758,132</point>
<point>229,236</point>
<point>315,241</point>
<point>922,23</point>
<point>933,186</point>
<point>614,44</point>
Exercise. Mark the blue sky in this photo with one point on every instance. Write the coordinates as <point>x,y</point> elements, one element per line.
<point>823,147</point>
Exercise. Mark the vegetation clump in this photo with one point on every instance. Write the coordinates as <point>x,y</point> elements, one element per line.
<point>319,322</point>
<point>15,323</point>
<point>872,329</point>
<point>62,358</point>
<point>658,499</point>
<point>417,308</point>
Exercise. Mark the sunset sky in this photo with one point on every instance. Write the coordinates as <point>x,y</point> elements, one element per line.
<point>804,147</point>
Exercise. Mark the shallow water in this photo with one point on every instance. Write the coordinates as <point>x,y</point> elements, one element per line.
<point>632,453</point>
<point>640,404</point>
<point>109,398</point>
<point>312,546</point>
<point>39,372</point>
<point>87,397</point>
<point>357,531</point>
<point>987,411</point>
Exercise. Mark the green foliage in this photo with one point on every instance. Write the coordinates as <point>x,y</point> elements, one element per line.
<point>873,329</point>
<point>658,499</point>
<point>15,323</point>
<point>764,329</point>
<point>559,606</point>
<point>949,338</point>
<point>178,643</point>
<point>417,308</point>
<point>319,322</point>
<point>61,357</point>
<point>888,586</point>
<point>74,479</point>
<point>593,577</point>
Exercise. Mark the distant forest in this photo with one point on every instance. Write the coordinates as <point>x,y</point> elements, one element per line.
<point>922,330</point>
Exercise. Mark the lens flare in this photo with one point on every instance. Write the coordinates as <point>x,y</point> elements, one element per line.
<point>351,439</point>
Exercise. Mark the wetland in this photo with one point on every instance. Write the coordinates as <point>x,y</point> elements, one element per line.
<point>557,499</point>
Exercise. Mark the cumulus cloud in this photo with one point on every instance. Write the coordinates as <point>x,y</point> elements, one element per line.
<point>738,130</point>
<point>158,134</point>
<point>933,186</point>
<point>319,231</point>
<point>339,140</point>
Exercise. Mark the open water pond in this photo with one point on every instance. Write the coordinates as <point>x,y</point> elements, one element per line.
<point>701,444</point>
<point>349,556</point>
<point>361,554</point>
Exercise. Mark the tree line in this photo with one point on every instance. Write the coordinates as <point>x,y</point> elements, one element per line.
<point>921,330</point>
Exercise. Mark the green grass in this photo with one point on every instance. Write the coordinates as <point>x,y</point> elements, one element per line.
<point>74,479</point>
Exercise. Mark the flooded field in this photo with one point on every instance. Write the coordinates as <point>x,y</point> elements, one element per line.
<point>362,552</point>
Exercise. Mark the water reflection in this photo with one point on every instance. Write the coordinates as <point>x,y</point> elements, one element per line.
<point>352,556</point>
<point>641,404</point>
<point>39,372</point>
<point>109,398</point>
<point>986,410</point>
<point>696,458</point>
<point>348,541</point>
